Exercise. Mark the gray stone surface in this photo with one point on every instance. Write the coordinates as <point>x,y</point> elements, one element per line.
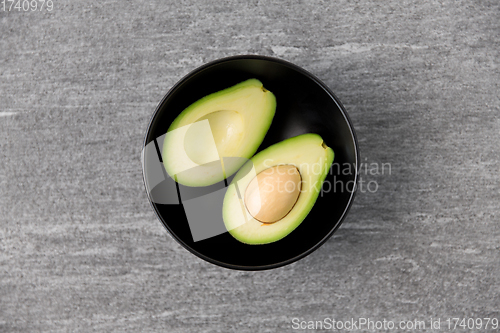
<point>80,247</point>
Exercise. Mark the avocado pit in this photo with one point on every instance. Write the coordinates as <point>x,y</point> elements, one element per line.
<point>271,195</point>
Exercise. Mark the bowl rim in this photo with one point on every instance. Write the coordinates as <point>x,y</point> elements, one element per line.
<point>332,96</point>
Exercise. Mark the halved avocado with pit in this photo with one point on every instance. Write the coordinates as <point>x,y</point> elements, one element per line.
<point>275,191</point>
<point>228,125</point>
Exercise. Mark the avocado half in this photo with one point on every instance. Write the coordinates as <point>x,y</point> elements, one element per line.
<point>313,159</point>
<point>213,137</point>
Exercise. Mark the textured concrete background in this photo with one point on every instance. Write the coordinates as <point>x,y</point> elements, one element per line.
<point>80,247</point>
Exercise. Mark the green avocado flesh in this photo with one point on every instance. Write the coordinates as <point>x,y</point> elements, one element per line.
<point>213,137</point>
<point>310,155</point>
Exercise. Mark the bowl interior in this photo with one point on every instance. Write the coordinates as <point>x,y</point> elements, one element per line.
<point>304,105</point>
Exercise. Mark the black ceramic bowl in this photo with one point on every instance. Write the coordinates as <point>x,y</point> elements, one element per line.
<point>304,105</point>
